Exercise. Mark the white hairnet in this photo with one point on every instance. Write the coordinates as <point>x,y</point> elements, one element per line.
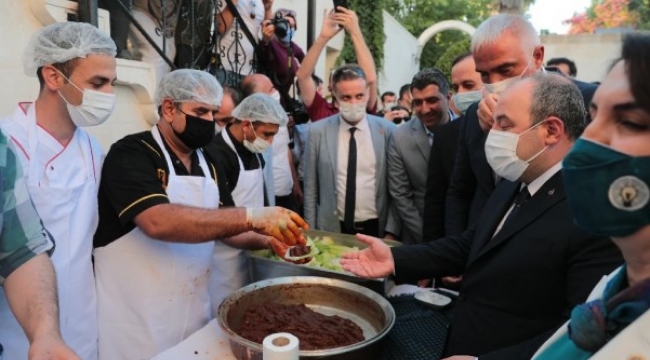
<point>261,107</point>
<point>185,85</point>
<point>60,42</point>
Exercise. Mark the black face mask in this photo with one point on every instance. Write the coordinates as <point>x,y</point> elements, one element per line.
<point>198,132</point>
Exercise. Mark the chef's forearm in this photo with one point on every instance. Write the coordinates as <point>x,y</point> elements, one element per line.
<point>248,241</point>
<point>178,223</point>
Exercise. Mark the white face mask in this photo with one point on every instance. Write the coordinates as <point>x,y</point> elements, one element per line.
<point>276,96</point>
<point>352,112</point>
<point>501,153</point>
<point>258,145</point>
<point>500,86</point>
<point>95,107</point>
<point>389,106</point>
<point>465,99</point>
<point>218,128</point>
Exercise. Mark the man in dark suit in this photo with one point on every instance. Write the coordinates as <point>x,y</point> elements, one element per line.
<point>505,48</point>
<point>467,85</point>
<point>525,263</point>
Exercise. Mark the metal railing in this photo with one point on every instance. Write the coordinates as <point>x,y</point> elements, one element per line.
<point>199,44</point>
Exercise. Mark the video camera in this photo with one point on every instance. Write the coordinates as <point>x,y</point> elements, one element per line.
<point>297,109</point>
<point>281,25</point>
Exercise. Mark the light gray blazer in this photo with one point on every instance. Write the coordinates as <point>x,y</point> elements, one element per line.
<point>407,161</point>
<point>321,167</point>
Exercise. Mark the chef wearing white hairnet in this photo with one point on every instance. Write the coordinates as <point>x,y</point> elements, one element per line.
<point>75,65</point>
<point>159,214</point>
<point>239,149</point>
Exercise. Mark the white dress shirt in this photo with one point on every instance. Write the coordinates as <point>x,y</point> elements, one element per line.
<point>366,192</point>
<point>282,176</point>
<point>533,187</point>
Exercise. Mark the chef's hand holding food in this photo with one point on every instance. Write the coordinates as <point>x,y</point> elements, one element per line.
<point>375,261</point>
<point>280,223</point>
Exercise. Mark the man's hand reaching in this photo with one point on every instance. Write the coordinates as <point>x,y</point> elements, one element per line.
<point>373,262</point>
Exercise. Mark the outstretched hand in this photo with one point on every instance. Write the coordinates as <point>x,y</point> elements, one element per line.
<point>330,26</point>
<point>347,19</point>
<point>375,261</point>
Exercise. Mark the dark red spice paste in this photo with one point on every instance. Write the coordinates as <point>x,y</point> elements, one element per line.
<point>314,330</point>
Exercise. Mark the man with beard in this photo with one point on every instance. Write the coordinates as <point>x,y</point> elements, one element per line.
<point>409,148</point>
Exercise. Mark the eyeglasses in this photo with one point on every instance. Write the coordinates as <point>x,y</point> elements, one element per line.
<point>432,100</point>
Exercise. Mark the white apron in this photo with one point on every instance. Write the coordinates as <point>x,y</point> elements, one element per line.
<point>66,201</point>
<point>230,265</point>
<point>153,294</point>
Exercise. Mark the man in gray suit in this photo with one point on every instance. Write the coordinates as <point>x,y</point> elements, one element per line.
<point>345,163</point>
<point>409,148</point>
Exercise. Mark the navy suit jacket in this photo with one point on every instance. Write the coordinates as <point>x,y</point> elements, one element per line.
<point>473,180</point>
<point>439,172</point>
<point>520,285</point>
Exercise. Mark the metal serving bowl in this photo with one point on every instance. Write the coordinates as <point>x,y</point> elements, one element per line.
<point>262,268</point>
<point>369,310</point>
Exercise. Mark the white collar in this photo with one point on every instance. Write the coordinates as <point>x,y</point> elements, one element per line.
<point>362,125</point>
<point>536,184</point>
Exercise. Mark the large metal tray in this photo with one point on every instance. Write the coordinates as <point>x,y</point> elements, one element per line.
<point>369,310</point>
<point>262,268</point>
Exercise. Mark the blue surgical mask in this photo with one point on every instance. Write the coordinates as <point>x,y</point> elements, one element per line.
<point>287,38</point>
<point>464,100</point>
<point>606,189</point>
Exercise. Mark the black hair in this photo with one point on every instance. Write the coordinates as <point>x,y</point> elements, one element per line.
<point>430,76</point>
<point>347,72</point>
<point>65,68</point>
<point>387,93</point>
<point>573,70</point>
<point>234,94</point>
<point>406,88</point>
<point>635,53</point>
<point>318,81</point>
<point>460,58</point>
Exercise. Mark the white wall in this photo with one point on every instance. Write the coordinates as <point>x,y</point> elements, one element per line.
<point>400,52</point>
<point>134,111</point>
<point>592,53</point>
<point>136,81</point>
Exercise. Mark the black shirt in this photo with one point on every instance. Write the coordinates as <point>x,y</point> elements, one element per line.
<point>219,150</point>
<point>134,178</point>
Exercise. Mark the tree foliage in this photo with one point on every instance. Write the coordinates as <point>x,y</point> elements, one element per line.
<point>444,62</point>
<point>608,14</point>
<point>417,15</point>
<point>642,9</point>
<point>371,22</point>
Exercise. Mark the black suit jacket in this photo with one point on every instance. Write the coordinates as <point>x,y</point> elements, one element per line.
<point>473,180</point>
<point>439,171</point>
<point>519,286</point>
